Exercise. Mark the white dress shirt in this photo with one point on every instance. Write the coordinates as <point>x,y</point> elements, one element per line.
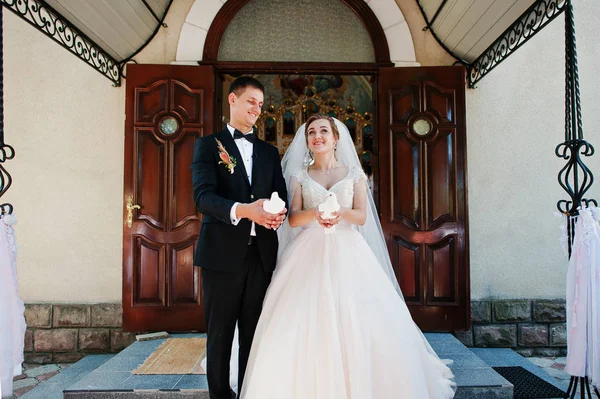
<point>246,149</point>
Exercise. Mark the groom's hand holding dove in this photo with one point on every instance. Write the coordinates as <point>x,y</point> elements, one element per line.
<point>275,206</point>
<point>255,212</point>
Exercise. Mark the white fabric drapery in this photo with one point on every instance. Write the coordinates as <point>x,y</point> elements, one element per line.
<point>583,298</point>
<point>12,319</point>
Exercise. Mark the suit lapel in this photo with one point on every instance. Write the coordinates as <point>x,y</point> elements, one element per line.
<point>233,150</point>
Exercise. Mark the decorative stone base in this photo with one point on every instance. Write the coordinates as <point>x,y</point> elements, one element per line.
<point>531,327</point>
<point>65,333</point>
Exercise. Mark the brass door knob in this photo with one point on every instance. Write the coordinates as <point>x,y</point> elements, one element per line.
<point>130,207</point>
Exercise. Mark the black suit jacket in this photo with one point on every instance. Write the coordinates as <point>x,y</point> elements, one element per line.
<point>221,245</point>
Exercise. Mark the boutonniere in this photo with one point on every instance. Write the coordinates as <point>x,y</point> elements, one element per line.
<point>226,159</point>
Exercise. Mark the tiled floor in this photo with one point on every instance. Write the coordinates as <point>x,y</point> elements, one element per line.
<point>35,374</point>
<point>554,366</point>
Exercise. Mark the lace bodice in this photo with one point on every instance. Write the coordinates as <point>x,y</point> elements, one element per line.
<point>313,193</point>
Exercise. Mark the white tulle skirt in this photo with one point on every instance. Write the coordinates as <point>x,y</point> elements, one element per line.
<point>12,320</point>
<point>583,298</point>
<point>333,326</point>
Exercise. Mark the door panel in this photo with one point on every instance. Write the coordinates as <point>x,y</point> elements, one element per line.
<point>161,287</point>
<point>406,186</point>
<point>184,283</point>
<point>408,255</point>
<point>442,204</point>
<point>184,208</point>
<point>150,174</point>
<point>423,192</point>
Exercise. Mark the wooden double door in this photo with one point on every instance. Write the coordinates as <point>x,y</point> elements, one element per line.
<point>420,181</point>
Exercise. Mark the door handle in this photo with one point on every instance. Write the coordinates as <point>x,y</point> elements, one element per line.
<point>130,207</point>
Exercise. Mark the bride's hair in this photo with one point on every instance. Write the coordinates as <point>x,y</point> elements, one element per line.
<point>328,118</point>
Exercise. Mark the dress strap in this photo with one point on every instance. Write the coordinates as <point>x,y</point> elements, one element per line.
<point>358,174</point>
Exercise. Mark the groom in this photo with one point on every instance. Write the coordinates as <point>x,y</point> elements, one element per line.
<point>232,173</point>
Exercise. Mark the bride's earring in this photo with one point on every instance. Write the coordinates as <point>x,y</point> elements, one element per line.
<point>335,152</point>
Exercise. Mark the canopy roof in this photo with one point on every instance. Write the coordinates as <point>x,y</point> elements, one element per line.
<point>108,33</point>
<point>482,33</point>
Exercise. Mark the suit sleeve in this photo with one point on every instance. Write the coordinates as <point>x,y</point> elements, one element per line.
<point>278,180</point>
<point>205,182</point>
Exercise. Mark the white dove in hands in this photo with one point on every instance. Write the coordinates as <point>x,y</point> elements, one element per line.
<point>274,205</point>
<point>328,208</point>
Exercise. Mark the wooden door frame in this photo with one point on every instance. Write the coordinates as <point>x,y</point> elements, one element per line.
<point>372,69</point>
<point>368,19</point>
<point>332,68</point>
<point>381,59</point>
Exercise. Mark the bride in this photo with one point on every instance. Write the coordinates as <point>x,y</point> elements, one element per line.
<point>334,323</point>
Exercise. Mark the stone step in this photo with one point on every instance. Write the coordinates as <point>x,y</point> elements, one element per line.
<point>474,378</point>
<point>503,357</point>
<point>112,378</point>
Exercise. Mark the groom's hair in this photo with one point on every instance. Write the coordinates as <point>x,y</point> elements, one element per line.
<point>239,85</point>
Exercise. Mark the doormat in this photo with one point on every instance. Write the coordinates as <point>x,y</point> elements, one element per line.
<point>176,356</point>
<point>528,385</point>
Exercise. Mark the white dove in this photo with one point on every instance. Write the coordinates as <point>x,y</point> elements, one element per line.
<point>274,205</point>
<point>328,207</point>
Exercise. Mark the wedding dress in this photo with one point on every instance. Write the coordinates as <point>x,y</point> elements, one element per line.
<point>12,320</point>
<point>583,298</point>
<point>333,326</point>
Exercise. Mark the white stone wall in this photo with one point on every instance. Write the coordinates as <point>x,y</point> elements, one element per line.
<point>515,119</point>
<point>66,123</point>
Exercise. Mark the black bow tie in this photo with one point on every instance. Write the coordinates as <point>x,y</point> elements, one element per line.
<point>251,137</point>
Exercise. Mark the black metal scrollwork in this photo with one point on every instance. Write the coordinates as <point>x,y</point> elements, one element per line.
<point>575,177</point>
<point>534,19</point>
<point>47,20</point>
<point>6,151</point>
